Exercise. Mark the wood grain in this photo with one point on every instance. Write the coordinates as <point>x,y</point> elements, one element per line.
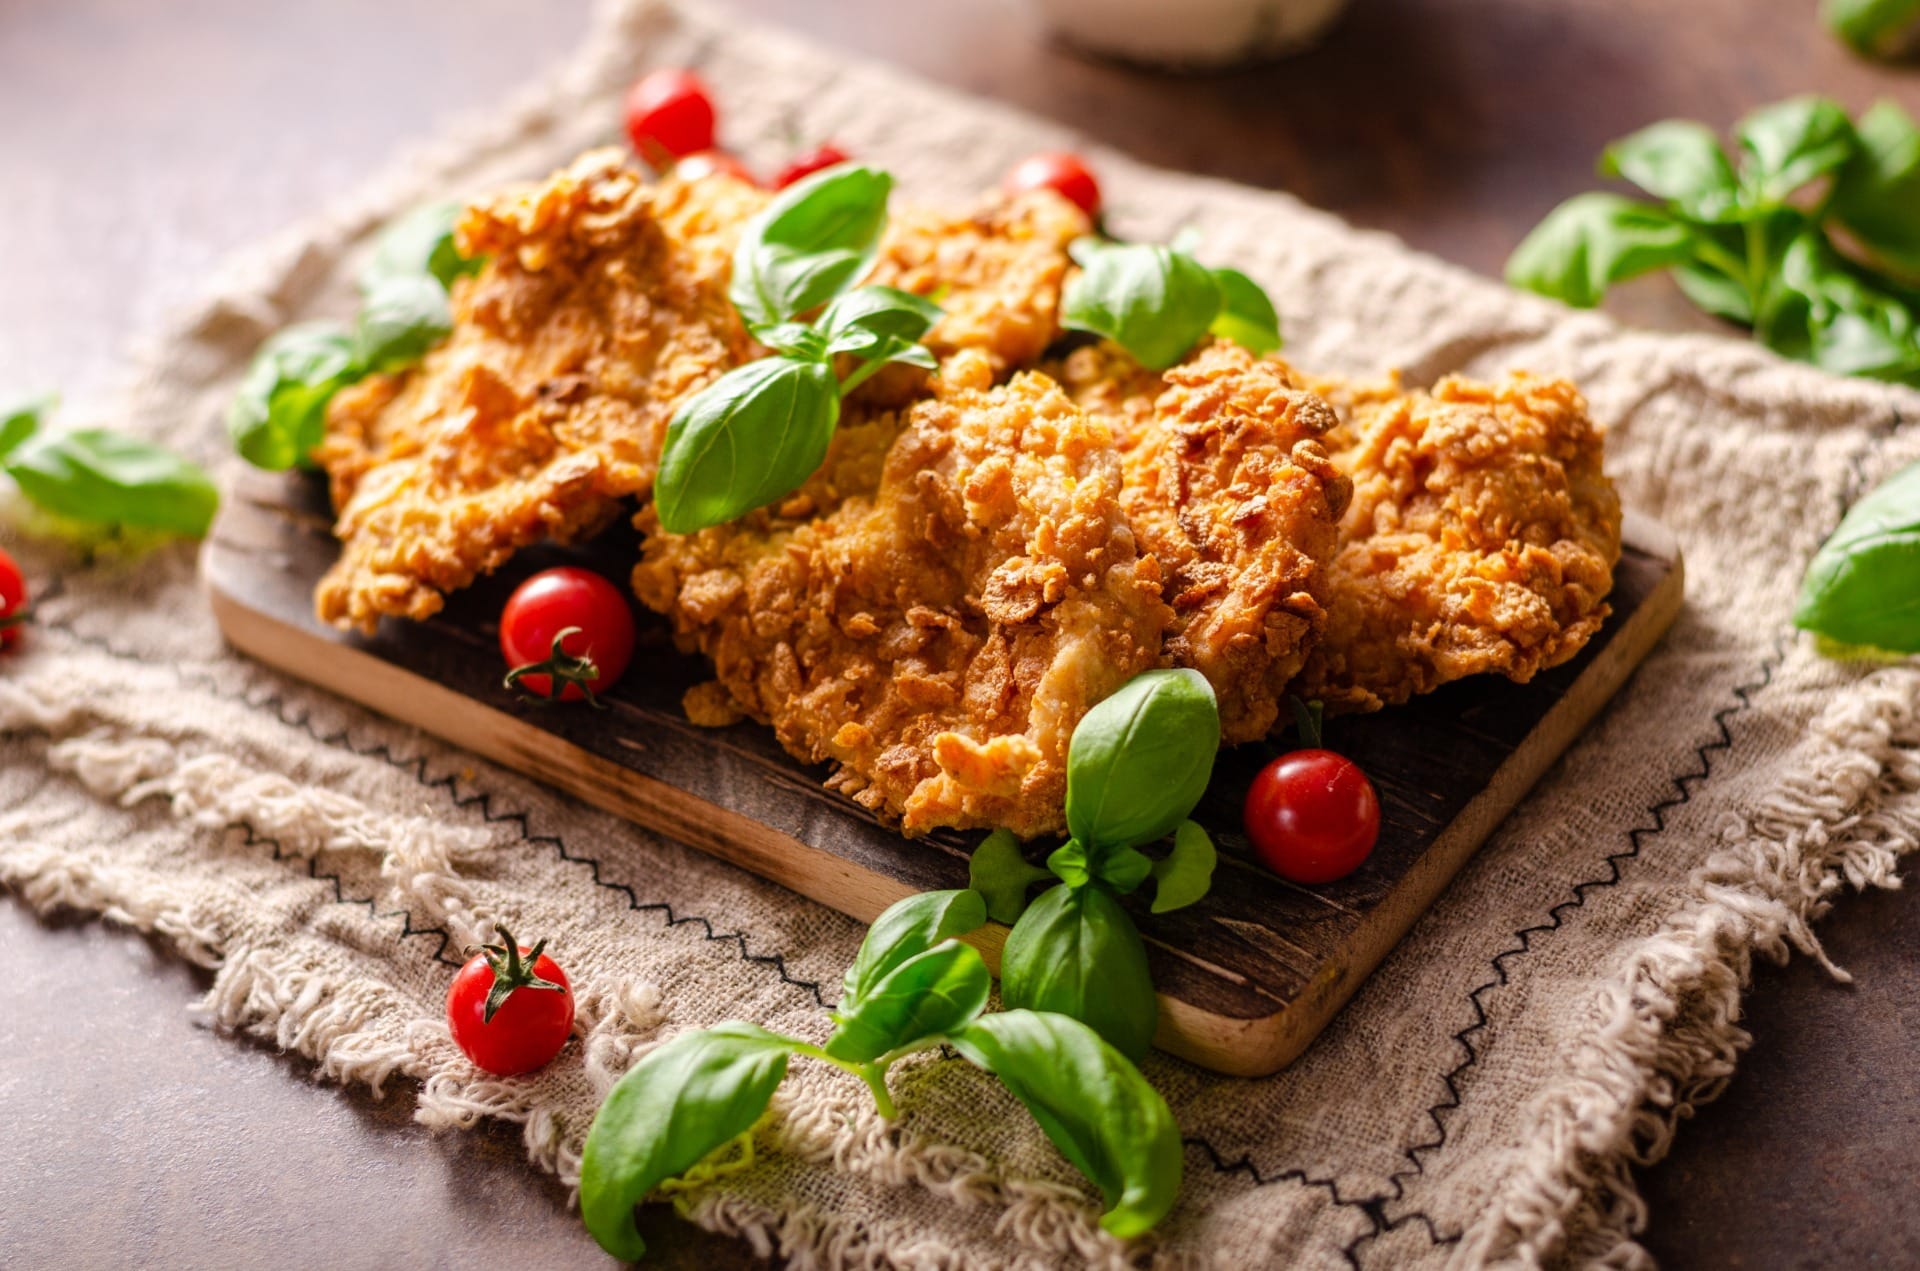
<point>1247,978</point>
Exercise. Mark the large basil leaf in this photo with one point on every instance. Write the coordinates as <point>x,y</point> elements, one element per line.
<point>811,243</point>
<point>754,434</point>
<point>1863,585</point>
<point>925,996</point>
<point>400,320</point>
<point>681,1101</point>
<point>1076,952</point>
<point>1887,29</point>
<point>867,320</point>
<point>105,478</point>
<point>1679,161</point>
<point>1854,327</point>
<point>1790,143</point>
<point>279,413</point>
<point>1592,241</point>
<point>1001,874</point>
<point>1150,299</point>
<point>908,928</point>
<point>1877,195</point>
<point>1247,316</point>
<point>1092,1103</point>
<point>419,244</point>
<point>1139,761</point>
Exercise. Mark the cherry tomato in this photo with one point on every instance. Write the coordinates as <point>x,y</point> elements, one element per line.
<point>1312,815</point>
<point>808,164</point>
<point>587,607</point>
<point>706,163</point>
<point>510,1008</point>
<point>1063,173</point>
<point>669,114</point>
<point>13,600</point>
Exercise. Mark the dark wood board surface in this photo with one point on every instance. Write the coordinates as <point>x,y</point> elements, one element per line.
<point>1247,977</point>
<point>144,141</point>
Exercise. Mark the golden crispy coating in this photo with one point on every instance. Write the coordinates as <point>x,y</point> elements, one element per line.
<point>941,629</point>
<point>602,304</point>
<point>1227,488</point>
<point>1481,538</point>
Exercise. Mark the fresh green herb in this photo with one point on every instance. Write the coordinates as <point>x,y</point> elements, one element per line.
<point>751,436</point>
<point>94,477</point>
<point>1886,29</point>
<point>1002,875</point>
<point>814,241</point>
<point>400,320</point>
<point>1156,301</point>
<point>1183,875</point>
<point>1247,316</point>
<point>913,987</point>
<point>1140,760</point>
<point>1812,240</point>
<point>279,413</point>
<point>1075,952</point>
<point>1862,587</point>
<point>419,244</point>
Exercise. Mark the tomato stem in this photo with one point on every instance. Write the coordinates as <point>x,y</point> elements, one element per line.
<point>1308,720</point>
<point>512,971</point>
<point>561,669</point>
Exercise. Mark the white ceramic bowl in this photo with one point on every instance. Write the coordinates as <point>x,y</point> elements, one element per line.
<point>1189,33</point>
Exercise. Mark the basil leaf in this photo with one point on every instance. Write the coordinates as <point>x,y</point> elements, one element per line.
<point>1854,327</point>
<point>1888,29</point>
<point>908,928</point>
<point>925,996</point>
<point>419,244</point>
<point>1790,143</point>
<point>1877,195</point>
<point>106,478</point>
<point>1076,952</point>
<point>1681,162</point>
<point>1151,300</point>
<point>867,318</point>
<point>793,339</point>
<point>1121,868</point>
<point>681,1101</point>
<point>1185,874</point>
<point>279,413</point>
<point>1001,875</point>
<point>748,438</point>
<point>1715,292</point>
<point>400,320</point>
<point>21,420</point>
<point>1595,240</point>
<point>1863,585</point>
<point>1093,1104</point>
<point>1247,316</point>
<point>1139,761</point>
<point>811,243</point>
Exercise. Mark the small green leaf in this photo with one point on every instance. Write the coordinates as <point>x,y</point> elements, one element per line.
<point>105,478</point>
<point>1877,195</point>
<point>1790,143</point>
<point>1593,241</point>
<point>1853,326</point>
<point>927,995</point>
<point>1863,585</point>
<point>21,420</point>
<point>864,320</point>
<point>1153,301</point>
<point>1092,1103</point>
<point>400,320</point>
<point>1247,316</point>
<point>1076,952</point>
<point>1680,162</point>
<point>279,412</point>
<point>1184,875</point>
<point>1715,292</point>
<point>1886,29</point>
<point>908,928</point>
<point>1139,761</point>
<point>681,1101</point>
<point>1122,868</point>
<point>814,241</point>
<point>793,339</point>
<point>999,872</point>
<point>753,435</point>
<point>419,244</point>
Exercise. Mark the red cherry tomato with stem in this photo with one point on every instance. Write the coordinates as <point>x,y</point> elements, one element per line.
<point>826,156</point>
<point>1312,815</point>
<point>1064,173</point>
<point>13,601</point>
<point>566,624</point>
<point>510,1008</point>
<point>706,163</point>
<point>669,114</point>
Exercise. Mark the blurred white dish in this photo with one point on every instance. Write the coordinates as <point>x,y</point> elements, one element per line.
<point>1189,33</point>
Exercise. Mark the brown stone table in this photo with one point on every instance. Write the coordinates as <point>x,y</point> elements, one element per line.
<point>139,142</point>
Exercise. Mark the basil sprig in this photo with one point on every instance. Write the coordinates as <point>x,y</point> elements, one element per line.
<point>1862,588</point>
<point>1888,29</point>
<point>1756,241</point>
<point>98,478</point>
<point>1156,301</point>
<point>759,431</point>
<point>913,987</point>
<point>1137,765</point>
<point>278,414</point>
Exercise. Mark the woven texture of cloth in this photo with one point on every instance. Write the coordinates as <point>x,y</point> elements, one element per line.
<point>1482,1099</point>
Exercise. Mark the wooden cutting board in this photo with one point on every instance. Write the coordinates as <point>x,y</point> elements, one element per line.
<point>1247,977</point>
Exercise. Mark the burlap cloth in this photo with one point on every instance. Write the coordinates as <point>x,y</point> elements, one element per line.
<point>1482,1098</point>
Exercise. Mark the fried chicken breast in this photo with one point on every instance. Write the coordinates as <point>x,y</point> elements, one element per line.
<point>1229,491</point>
<point>1481,538</point>
<point>938,633</point>
<point>602,304</point>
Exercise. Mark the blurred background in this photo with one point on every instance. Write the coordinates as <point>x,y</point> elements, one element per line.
<point>140,143</point>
